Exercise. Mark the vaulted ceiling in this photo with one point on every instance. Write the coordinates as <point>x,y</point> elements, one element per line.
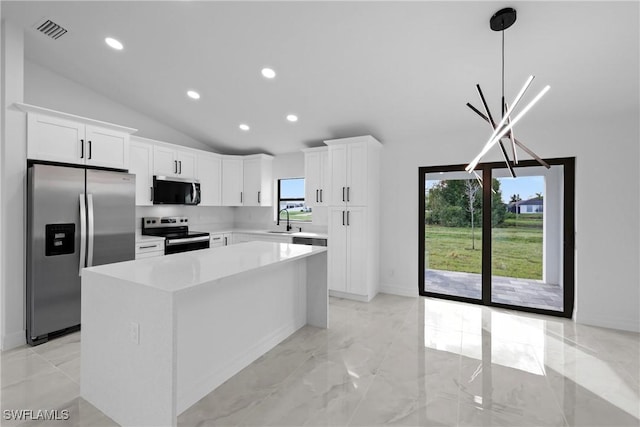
<point>395,70</point>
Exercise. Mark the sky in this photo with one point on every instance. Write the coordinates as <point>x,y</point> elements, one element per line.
<point>292,188</point>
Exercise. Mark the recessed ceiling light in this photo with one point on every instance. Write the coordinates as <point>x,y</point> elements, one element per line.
<point>292,118</point>
<point>244,127</point>
<point>193,94</point>
<point>268,73</point>
<point>113,43</point>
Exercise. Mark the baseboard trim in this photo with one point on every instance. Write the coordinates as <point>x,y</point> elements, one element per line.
<point>398,290</point>
<point>347,295</point>
<point>609,322</point>
<point>13,340</point>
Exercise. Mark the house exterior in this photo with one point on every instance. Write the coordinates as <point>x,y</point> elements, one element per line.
<point>534,205</point>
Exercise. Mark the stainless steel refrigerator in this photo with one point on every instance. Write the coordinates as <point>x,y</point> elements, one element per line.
<point>76,218</point>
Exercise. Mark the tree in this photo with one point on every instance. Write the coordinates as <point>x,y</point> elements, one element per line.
<point>471,188</point>
<point>515,198</point>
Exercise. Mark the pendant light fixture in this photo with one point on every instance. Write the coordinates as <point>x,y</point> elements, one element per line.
<point>500,21</point>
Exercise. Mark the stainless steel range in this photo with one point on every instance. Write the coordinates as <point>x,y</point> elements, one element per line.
<point>176,232</point>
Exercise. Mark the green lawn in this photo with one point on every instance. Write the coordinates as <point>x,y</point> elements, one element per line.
<point>295,215</point>
<point>516,250</point>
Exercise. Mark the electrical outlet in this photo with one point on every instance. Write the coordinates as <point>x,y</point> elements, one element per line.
<point>134,332</point>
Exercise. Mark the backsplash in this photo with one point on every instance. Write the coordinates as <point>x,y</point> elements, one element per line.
<point>219,218</point>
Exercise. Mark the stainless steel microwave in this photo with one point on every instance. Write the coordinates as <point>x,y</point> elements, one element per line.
<point>175,191</point>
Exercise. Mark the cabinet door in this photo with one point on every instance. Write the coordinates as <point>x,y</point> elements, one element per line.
<point>356,174</point>
<point>106,147</point>
<point>323,183</point>
<point>357,251</point>
<point>232,181</point>
<point>186,164</point>
<point>164,161</point>
<point>337,254</point>
<point>140,164</point>
<point>210,175</point>
<point>251,182</point>
<point>337,174</point>
<point>312,177</point>
<point>54,139</point>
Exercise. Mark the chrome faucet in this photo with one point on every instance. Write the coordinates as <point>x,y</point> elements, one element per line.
<point>288,225</point>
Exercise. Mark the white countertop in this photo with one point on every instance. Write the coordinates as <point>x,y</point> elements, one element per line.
<point>141,238</point>
<point>178,272</point>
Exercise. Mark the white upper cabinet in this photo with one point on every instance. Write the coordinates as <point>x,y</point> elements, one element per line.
<point>232,181</point>
<point>351,164</point>
<point>257,180</point>
<point>60,137</point>
<point>316,176</point>
<point>210,177</point>
<point>141,164</point>
<point>174,162</point>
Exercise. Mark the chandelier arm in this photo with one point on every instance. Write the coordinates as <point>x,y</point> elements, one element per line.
<point>511,137</point>
<point>486,107</point>
<point>531,153</point>
<point>502,130</point>
<point>504,151</point>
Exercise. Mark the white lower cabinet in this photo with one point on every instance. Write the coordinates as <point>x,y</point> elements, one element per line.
<point>149,249</point>
<point>220,239</point>
<point>350,263</point>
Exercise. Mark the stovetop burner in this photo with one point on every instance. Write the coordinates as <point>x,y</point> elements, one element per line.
<point>169,227</point>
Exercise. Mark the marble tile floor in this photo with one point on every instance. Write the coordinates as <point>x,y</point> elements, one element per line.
<point>505,290</point>
<point>393,361</point>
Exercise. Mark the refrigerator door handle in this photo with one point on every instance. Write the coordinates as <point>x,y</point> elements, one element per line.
<point>83,233</point>
<point>90,229</point>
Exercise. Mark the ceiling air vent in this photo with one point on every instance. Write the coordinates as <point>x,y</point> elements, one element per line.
<point>50,29</point>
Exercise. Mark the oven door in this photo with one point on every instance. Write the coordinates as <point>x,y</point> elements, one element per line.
<point>173,191</point>
<point>174,246</point>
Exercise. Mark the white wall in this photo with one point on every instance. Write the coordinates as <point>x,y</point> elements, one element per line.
<point>45,88</point>
<point>13,151</point>
<point>607,153</point>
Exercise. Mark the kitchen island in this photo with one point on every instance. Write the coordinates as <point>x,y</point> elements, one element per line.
<point>158,334</point>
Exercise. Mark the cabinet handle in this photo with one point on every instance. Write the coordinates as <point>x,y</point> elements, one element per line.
<point>175,166</point>
<point>348,218</point>
<point>348,196</point>
<point>317,200</point>
<point>89,149</point>
<point>343,194</point>
<point>151,193</point>
<point>82,148</point>
<point>148,247</point>
<point>216,238</point>
<point>258,197</point>
<point>225,241</point>
<point>180,163</point>
<point>342,217</point>
<point>320,195</point>
<point>241,197</point>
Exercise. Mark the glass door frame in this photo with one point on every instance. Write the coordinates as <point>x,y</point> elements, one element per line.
<point>568,235</point>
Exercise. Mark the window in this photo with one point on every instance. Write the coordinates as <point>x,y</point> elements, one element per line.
<point>291,198</point>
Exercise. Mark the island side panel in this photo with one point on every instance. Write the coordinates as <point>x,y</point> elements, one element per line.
<point>225,325</point>
<point>317,290</point>
<point>132,382</point>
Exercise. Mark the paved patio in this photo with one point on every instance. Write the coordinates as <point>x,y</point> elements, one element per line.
<point>505,290</point>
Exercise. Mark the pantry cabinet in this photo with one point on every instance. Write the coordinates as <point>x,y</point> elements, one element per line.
<point>354,217</point>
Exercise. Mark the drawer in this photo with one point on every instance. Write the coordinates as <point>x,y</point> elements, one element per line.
<point>144,247</point>
<point>149,254</point>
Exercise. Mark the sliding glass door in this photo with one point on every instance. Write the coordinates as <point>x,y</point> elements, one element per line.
<point>499,240</point>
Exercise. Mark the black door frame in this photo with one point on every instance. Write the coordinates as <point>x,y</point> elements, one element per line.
<point>568,251</point>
